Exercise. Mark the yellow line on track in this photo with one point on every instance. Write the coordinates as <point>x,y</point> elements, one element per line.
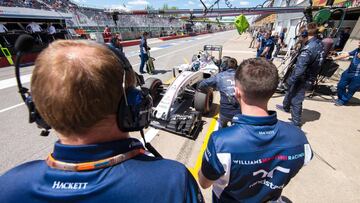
<point>168,82</point>
<point>196,168</point>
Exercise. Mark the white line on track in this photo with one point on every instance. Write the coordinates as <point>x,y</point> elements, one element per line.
<point>239,51</point>
<point>12,81</point>
<point>11,107</point>
<point>150,134</point>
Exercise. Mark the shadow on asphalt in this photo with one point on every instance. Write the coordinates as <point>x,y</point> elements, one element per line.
<point>285,199</point>
<point>157,72</point>
<point>310,115</point>
<point>354,102</point>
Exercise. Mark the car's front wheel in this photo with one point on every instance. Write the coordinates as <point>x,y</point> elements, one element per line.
<point>203,101</point>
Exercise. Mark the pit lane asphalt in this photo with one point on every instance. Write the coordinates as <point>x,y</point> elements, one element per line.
<point>20,142</point>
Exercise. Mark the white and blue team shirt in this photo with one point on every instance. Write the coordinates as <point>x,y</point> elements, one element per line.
<point>253,160</point>
<point>140,179</point>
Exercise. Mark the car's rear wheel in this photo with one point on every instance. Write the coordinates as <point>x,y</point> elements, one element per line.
<point>203,101</point>
<point>154,87</point>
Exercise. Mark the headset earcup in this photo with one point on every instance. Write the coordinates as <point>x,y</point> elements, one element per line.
<point>135,115</point>
<point>34,115</point>
<point>124,116</point>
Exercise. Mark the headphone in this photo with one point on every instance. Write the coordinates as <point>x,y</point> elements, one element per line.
<point>25,43</point>
<point>134,109</point>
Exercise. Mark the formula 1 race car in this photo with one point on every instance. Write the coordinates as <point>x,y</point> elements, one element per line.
<point>179,106</point>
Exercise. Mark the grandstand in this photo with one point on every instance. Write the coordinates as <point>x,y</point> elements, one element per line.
<point>77,21</point>
<point>95,19</point>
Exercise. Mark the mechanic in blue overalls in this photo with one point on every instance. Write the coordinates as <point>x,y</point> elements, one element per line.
<point>280,43</point>
<point>303,76</point>
<point>350,79</point>
<point>95,159</point>
<point>268,46</point>
<point>143,51</point>
<point>260,43</point>
<point>225,83</point>
<point>255,158</point>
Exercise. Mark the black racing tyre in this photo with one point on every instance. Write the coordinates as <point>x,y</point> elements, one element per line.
<point>154,86</point>
<point>203,101</point>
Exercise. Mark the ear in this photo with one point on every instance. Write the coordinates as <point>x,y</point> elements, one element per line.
<point>238,93</point>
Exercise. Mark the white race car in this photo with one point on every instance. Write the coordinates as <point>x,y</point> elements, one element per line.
<point>179,106</point>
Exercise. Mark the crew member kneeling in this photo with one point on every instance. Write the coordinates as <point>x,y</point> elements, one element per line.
<point>253,160</point>
<point>350,79</point>
<point>76,87</point>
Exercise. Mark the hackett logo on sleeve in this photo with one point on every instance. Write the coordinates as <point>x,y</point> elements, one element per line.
<point>69,185</point>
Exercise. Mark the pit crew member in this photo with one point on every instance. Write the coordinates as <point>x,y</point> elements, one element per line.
<point>350,79</point>
<point>303,77</point>
<point>253,160</point>
<point>143,51</point>
<point>75,87</point>
<point>225,83</point>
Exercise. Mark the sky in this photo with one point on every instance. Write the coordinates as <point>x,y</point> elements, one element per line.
<point>186,4</point>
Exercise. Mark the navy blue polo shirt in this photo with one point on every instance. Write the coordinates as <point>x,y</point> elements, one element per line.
<point>254,159</point>
<point>140,179</point>
<point>269,43</point>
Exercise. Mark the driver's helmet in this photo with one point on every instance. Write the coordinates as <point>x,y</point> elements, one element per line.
<point>195,66</point>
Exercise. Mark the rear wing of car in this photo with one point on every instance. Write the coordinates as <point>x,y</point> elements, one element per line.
<point>214,48</point>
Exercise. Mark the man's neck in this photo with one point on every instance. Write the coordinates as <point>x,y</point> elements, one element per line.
<point>254,109</point>
<point>104,131</point>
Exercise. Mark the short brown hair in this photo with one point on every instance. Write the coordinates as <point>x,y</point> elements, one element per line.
<point>77,83</point>
<point>258,78</point>
<point>312,29</point>
<point>232,63</point>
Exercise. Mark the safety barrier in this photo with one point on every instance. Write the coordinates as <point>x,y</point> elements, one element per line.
<point>173,37</point>
<point>130,43</point>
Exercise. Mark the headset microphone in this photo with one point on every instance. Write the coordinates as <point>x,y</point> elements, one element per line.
<point>23,44</point>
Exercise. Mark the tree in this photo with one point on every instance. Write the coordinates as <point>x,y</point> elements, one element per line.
<point>149,7</point>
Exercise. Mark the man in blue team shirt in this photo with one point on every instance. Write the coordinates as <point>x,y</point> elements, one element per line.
<point>350,79</point>
<point>75,87</point>
<point>253,160</point>
<point>143,51</point>
<point>260,43</point>
<point>267,46</point>
<point>225,83</point>
<point>280,42</point>
<point>303,77</point>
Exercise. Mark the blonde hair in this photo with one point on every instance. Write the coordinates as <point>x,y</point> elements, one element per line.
<point>77,83</point>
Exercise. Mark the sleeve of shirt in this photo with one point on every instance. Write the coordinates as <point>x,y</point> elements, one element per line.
<point>268,43</point>
<point>209,82</point>
<point>300,67</point>
<point>142,43</point>
<point>352,53</point>
<point>193,192</point>
<point>211,166</point>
